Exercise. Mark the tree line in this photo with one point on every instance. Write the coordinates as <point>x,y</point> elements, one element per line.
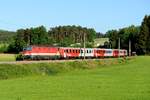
<point>138,35</point>
<point>6,36</point>
<point>57,36</point>
<point>74,36</point>
<point>125,35</point>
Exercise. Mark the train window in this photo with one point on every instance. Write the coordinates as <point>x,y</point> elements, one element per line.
<point>101,51</point>
<point>81,51</point>
<point>70,51</point>
<point>108,51</point>
<point>91,51</point>
<point>87,51</point>
<point>76,51</point>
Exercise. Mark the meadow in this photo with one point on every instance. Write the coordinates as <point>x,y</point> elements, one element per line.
<point>78,81</point>
<point>4,56</point>
<point>7,57</point>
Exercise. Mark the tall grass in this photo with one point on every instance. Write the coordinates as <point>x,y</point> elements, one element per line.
<point>20,70</point>
<point>3,47</point>
<point>7,57</point>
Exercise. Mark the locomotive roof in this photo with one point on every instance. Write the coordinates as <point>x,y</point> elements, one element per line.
<point>68,47</point>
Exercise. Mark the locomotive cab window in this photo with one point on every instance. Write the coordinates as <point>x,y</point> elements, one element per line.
<point>28,48</point>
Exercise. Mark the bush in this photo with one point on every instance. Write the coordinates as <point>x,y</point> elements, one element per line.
<point>3,48</point>
<point>19,57</point>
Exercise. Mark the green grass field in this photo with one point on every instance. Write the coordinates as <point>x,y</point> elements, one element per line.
<point>7,57</point>
<point>130,81</point>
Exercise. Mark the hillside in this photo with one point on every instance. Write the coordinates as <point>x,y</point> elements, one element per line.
<point>5,36</point>
<point>100,41</point>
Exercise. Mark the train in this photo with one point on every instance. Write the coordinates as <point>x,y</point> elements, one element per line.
<point>52,53</point>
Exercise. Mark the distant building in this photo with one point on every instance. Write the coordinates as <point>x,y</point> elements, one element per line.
<point>100,41</point>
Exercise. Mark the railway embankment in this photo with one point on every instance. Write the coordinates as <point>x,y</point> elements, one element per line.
<point>16,70</point>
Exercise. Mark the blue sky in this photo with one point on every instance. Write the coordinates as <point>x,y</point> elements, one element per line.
<point>102,15</point>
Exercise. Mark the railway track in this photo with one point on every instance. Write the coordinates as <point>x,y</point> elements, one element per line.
<point>54,61</point>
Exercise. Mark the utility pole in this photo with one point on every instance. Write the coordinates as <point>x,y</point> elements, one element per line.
<point>129,47</point>
<point>84,45</point>
<point>119,47</point>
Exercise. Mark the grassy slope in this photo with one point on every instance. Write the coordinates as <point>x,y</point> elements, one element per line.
<point>119,82</point>
<point>7,57</point>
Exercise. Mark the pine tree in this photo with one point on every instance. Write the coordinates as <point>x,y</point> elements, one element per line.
<point>143,37</point>
<point>148,35</point>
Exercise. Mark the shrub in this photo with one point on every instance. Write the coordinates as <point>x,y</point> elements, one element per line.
<point>19,57</point>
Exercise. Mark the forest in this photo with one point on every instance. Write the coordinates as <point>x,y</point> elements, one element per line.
<point>73,36</point>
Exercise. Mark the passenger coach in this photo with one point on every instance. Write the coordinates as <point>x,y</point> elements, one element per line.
<point>44,52</point>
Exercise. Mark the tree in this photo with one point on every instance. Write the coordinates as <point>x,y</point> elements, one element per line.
<point>26,37</point>
<point>125,34</point>
<point>113,38</point>
<point>100,35</point>
<point>19,43</point>
<point>39,36</point>
<point>129,34</point>
<point>72,34</point>
<point>143,38</point>
<point>106,45</point>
